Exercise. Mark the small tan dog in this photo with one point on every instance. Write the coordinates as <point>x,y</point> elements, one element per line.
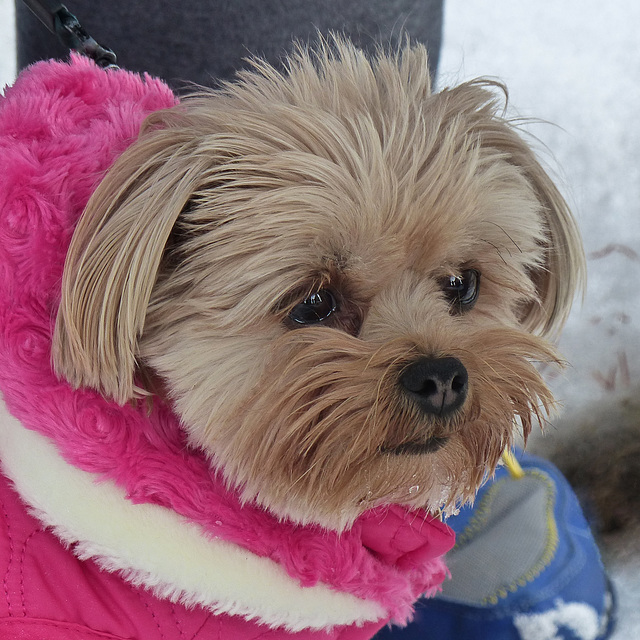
<point>291,310</point>
<point>338,279</point>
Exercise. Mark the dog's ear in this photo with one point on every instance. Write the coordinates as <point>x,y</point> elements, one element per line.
<point>563,272</point>
<point>115,254</point>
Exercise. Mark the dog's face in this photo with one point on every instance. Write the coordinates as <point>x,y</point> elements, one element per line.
<point>334,276</point>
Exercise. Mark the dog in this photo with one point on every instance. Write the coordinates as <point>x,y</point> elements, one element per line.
<point>331,282</point>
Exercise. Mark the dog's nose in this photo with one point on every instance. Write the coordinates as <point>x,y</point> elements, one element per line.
<point>437,385</point>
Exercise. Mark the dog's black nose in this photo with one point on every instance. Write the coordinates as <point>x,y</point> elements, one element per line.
<point>437,385</point>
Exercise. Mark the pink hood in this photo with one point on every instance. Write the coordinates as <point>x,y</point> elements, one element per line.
<point>61,127</point>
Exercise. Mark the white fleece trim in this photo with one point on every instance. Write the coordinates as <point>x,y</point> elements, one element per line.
<point>155,547</point>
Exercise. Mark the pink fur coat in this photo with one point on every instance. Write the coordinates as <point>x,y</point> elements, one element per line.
<point>110,525</point>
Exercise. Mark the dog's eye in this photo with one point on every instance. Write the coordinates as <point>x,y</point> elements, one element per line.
<point>462,290</point>
<point>316,308</point>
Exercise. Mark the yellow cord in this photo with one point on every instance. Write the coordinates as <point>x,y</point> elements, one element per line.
<point>515,470</point>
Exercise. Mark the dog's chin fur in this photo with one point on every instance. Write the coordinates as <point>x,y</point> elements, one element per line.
<point>345,174</point>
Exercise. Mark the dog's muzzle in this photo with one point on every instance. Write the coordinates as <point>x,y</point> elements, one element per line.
<point>438,386</point>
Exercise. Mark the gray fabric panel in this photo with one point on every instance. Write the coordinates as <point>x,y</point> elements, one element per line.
<point>508,536</point>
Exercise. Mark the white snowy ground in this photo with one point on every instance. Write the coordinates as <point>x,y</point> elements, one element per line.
<point>574,63</point>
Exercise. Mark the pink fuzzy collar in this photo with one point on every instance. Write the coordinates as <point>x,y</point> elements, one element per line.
<point>61,127</point>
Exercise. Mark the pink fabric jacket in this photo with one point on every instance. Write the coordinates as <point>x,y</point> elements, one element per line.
<point>111,525</point>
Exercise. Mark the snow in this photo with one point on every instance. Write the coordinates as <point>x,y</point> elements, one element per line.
<point>575,64</point>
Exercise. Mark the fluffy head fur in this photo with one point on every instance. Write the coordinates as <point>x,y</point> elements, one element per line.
<point>345,175</point>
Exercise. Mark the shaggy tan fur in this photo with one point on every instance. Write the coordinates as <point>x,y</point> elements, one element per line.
<point>345,174</point>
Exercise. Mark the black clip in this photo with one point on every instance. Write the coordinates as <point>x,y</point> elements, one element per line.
<point>60,21</point>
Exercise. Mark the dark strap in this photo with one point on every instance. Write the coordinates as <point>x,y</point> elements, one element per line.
<point>60,21</point>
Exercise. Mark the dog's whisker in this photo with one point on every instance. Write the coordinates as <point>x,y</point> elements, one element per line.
<point>517,246</point>
<point>497,250</point>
